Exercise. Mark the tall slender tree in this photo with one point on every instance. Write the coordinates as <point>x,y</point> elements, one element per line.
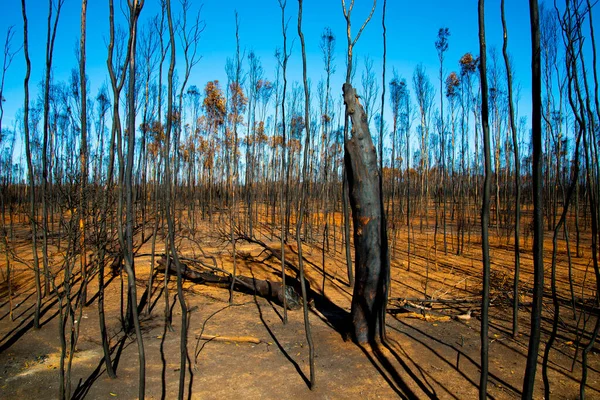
<point>8,55</point>
<point>135,8</point>
<point>50,39</point>
<point>303,199</point>
<point>30,173</point>
<point>441,45</point>
<point>284,61</point>
<point>538,223</point>
<point>485,207</point>
<point>517,180</point>
<point>83,154</point>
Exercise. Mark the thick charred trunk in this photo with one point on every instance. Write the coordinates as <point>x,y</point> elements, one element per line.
<point>370,234</point>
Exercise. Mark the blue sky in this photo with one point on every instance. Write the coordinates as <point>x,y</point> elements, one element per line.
<point>411,32</point>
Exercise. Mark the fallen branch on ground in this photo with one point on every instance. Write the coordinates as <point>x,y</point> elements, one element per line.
<point>406,312</point>
<point>238,339</point>
<point>263,288</point>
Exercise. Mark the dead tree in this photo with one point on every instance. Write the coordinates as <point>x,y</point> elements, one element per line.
<point>285,57</point>
<point>233,171</point>
<point>513,129</point>
<point>485,207</point>
<point>381,124</point>
<point>538,223</point>
<point>83,157</point>
<point>135,8</point>
<point>441,45</point>
<point>50,38</point>
<point>351,43</point>
<point>117,79</point>
<point>9,54</point>
<point>370,232</point>
<point>36,262</point>
<point>303,190</point>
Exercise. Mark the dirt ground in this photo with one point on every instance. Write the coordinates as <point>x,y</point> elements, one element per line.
<point>433,358</point>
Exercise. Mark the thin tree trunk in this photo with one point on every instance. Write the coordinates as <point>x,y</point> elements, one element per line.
<point>83,155</point>
<point>303,190</point>
<point>485,207</point>
<point>32,210</point>
<point>51,35</point>
<point>555,301</point>
<point>282,4</point>
<point>538,222</point>
<point>513,129</point>
<point>170,208</point>
<point>135,9</point>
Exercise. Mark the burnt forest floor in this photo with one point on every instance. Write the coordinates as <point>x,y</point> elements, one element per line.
<point>431,353</point>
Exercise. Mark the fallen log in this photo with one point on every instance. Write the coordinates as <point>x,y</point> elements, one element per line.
<point>438,301</point>
<point>263,288</point>
<point>418,313</point>
<point>237,339</point>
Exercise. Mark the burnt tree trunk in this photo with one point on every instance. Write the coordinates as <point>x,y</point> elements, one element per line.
<point>370,234</point>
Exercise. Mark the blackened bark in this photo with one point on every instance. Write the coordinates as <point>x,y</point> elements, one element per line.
<point>513,129</point>
<point>303,207</point>
<point>538,232</point>
<point>555,300</point>
<point>30,174</point>
<point>135,9</point>
<point>485,206</point>
<point>282,4</point>
<point>370,233</point>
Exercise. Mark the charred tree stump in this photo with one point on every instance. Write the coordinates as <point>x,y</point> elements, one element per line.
<point>370,236</point>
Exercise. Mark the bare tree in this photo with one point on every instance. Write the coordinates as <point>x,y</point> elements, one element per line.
<point>485,207</point>
<point>83,154</point>
<point>303,190</point>
<point>517,180</point>
<point>349,73</point>
<point>370,89</point>
<point>284,61</point>
<point>8,56</point>
<point>189,40</point>
<point>327,46</point>
<point>237,96</point>
<point>383,95</point>
<point>117,79</point>
<point>135,8</point>
<point>148,50</point>
<point>50,39</point>
<point>424,93</point>
<point>441,45</point>
<point>32,210</point>
<point>538,223</point>
<point>369,300</point>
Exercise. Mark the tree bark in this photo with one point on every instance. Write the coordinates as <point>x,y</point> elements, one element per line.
<point>485,207</point>
<point>36,263</point>
<point>513,129</point>
<point>538,227</point>
<point>83,158</point>
<point>370,232</point>
<point>303,195</point>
